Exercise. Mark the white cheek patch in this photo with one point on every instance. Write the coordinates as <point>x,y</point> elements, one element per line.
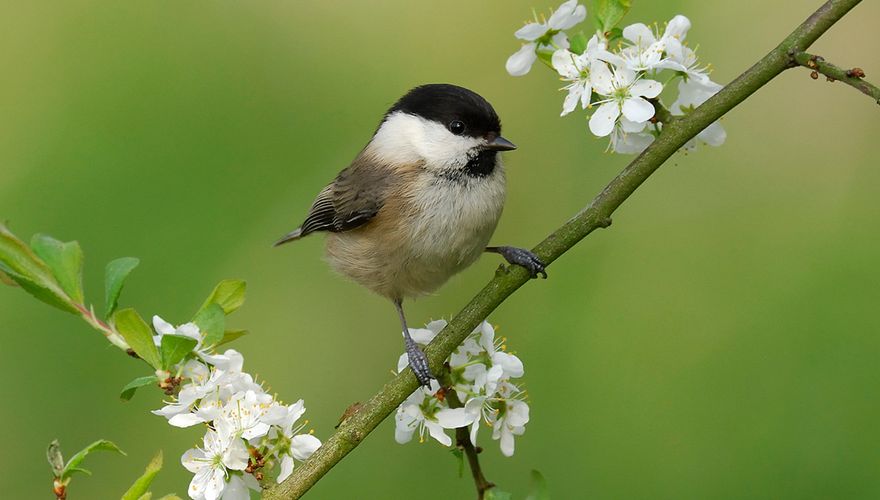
<point>407,139</point>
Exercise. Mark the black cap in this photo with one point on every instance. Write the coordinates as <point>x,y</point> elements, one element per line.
<point>445,103</point>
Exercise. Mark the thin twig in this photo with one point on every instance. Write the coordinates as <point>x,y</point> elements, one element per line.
<point>854,77</point>
<point>596,215</point>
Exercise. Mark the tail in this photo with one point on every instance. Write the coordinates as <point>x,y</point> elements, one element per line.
<point>293,235</point>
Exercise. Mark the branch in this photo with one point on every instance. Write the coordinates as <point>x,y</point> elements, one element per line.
<point>852,77</point>
<point>596,215</point>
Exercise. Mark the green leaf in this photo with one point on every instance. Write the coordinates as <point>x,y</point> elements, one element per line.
<point>114,279</point>
<point>539,487</point>
<point>174,348</point>
<point>212,322</point>
<point>132,387</point>
<point>71,472</point>
<point>74,462</point>
<point>228,294</point>
<point>20,264</point>
<point>607,13</point>
<point>139,489</point>
<point>20,259</point>
<point>66,262</point>
<point>53,454</point>
<point>137,335</point>
<point>496,494</point>
<point>170,497</point>
<point>231,335</point>
<point>49,293</point>
<point>578,43</point>
<point>146,496</point>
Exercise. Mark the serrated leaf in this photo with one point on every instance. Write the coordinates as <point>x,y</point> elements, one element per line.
<point>65,260</point>
<point>607,13</point>
<point>56,460</point>
<point>114,280</point>
<point>539,487</point>
<point>132,387</point>
<point>211,320</point>
<point>50,294</point>
<point>578,43</point>
<point>228,294</point>
<point>496,494</point>
<point>174,348</point>
<point>139,489</point>
<point>20,264</point>
<point>230,335</point>
<point>20,259</point>
<point>137,335</point>
<point>73,465</point>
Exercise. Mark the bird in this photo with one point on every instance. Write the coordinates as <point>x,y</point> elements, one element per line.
<point>419,203</point>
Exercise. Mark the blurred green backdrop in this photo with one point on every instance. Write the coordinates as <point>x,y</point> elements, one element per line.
<point>719,341</point>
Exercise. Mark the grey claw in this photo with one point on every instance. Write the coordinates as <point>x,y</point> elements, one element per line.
<point>524,258</point>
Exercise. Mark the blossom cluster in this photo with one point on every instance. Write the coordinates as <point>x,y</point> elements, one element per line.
<point>616,74</point>
<point>246,428</point>
<point>480,374</point>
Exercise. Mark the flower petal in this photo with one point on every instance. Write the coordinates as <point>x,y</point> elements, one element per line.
<point>639,34</point>
<point>507,445</point>
<point>603,120</point>
<point>194,460</point>
<point>236,455</point>
<point>286,468</point>
<point>677,28</point>
<point>531,32</point>
<point>521,62</point>
<point>575,92</point>
<point>437,433</point>
<point>567,15</point>
<point>646,88</point>
<point>303,445</point>
<point>713,135</point>
<point>184,420</point>
<point>453,418</point>
<point>637,109</point>
<point>162,327</point>
<point>601,77</point>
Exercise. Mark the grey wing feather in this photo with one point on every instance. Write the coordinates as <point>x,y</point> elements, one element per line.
<point>350,201</point>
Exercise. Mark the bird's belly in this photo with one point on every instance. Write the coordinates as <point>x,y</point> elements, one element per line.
<point>438,231</point>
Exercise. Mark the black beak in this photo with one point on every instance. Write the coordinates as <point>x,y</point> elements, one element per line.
<point>500,144</point>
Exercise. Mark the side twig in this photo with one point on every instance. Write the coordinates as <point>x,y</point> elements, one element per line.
<point>674,135</point>
<point>853,77</point>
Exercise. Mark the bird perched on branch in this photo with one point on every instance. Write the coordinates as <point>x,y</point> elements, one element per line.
<point>420,202</point>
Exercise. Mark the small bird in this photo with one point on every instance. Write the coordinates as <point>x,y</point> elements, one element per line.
<point>420,202</point>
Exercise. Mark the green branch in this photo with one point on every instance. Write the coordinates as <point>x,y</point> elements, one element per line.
<point>597,215</point>
<point>853,77</point>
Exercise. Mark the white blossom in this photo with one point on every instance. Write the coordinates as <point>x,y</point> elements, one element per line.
<point>625,95</point>
<point>211,464</point>
<point>692,93</point>
<point>540,34</point>
<point>576,69</point>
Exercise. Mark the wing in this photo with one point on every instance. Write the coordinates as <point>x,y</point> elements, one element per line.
<point>350,201</point>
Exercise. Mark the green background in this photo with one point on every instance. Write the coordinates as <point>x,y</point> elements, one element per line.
<point>720,340</point>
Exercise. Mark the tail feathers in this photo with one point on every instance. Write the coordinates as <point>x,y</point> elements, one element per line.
<point>293,235</point>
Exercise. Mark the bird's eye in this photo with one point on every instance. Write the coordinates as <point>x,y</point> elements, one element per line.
<point>456,127</point>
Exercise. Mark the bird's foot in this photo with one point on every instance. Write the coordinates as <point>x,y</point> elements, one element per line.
<point>418,362</point>
<point>524,258</point>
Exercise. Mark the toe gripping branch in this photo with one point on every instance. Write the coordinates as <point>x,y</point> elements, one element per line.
<point>522,257</point>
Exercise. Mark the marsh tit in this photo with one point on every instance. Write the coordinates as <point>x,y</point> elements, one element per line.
<point>419,202</point>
